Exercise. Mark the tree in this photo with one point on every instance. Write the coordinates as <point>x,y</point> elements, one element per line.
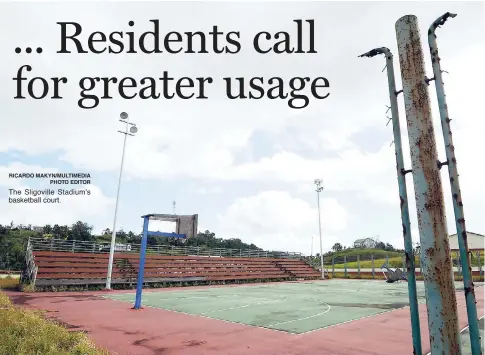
<point>337,247</point>
<point>389,247</point>
<point>381,246</point>
<point>121,235</point>
<point>81,231</point>
<point>132,237</point>
<point>57,231</point>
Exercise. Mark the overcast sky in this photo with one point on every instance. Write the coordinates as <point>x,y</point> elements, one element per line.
<point>245,166</point>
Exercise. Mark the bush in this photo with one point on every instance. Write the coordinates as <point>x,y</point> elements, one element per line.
<point>26,332</point>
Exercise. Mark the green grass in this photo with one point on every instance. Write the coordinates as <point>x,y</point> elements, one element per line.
<point>103,239</point>
<point>9,281</point>
<point>27,332</point>
<point>364,254</point>
<point>394,262</point>
<point>13,276</point>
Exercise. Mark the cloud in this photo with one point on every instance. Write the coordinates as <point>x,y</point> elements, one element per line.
<point>198,143</point>
<point>275,219</point>
<point>209,190</point>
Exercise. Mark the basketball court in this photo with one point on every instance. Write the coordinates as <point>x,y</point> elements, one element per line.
<point>332,317</point>
<point>295,308</point>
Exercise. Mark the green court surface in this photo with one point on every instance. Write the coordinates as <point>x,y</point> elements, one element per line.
<point>290,307</point>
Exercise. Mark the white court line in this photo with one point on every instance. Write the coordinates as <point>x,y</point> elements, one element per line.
<point>199,297</point>
<point>299,319</point>
<point>233,322</point>
<point>202,316</point>
<point>422,301</point>
<point>265,327</point>
<point>246,305</point>
<point>350,320</point>
<point>208,296</point>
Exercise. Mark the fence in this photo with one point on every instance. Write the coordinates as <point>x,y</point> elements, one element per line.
<point>76,246</point>
<point>372,263</point>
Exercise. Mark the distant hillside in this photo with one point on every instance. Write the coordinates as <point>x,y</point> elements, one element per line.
<point>351,254</point>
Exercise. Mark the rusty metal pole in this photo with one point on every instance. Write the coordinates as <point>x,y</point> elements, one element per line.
<point>464,261</point>
<point>436,268</point>
<point>403,196</point>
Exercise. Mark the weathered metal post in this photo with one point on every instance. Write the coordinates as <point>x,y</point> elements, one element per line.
<point>141,264</point>
<point>358,266</point>
<point>436,268</point>
<point>345,266</point>
<point>479,263</point>
<point>463,259</point>
<point>403,197</point>
<point>333,265</point>
<point>372,262</point>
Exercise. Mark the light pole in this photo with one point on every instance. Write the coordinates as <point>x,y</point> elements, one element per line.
<point>130,130</point>
<point>318,183</point>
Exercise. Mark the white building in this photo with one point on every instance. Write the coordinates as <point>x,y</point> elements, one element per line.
<point>367,243</point>
<point>475,241</point>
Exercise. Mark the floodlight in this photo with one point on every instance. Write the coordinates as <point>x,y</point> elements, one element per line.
<point>124,115</point>
<point>133,129</point>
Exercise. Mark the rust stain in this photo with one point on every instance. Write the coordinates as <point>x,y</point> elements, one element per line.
<point>437,268</point>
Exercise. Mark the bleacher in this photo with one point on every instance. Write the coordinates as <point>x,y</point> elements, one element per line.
<point>298,268</point>
<point>53,268</point>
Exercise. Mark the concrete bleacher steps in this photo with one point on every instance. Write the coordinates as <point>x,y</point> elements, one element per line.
<point>66,268</point>
<point>298,268</point>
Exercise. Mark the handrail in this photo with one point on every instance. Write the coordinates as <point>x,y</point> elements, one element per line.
<point>77,246</point>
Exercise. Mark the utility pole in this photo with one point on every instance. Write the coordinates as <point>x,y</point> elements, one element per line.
<point>318,183</point>
<point>130,130</point>
<point>311,250</point>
